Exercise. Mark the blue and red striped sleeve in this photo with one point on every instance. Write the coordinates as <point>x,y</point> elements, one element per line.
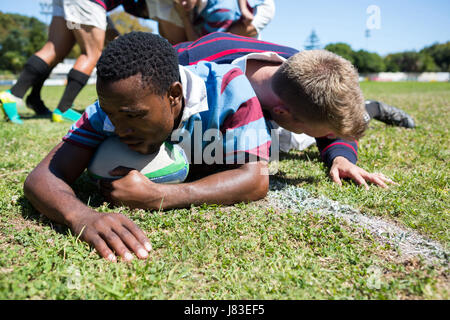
<point>88,131</point>
<point>332,148</point>
<point>217,16</point>
<point>218,20</point>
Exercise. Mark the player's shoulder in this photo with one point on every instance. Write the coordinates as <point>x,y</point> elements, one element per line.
<point>211,67</point>
<point>95,116</point>
<point>220,74</point>
<point>226,82</point>
<point>94,109</point>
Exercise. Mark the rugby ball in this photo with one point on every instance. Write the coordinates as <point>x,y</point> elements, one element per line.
<point>168,165</point>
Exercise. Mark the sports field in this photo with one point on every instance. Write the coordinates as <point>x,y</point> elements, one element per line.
<point>295,244</point>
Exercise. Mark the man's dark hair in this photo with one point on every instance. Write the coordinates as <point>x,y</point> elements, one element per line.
<point>140,53</point>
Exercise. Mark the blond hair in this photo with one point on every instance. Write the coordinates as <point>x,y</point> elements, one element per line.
<point>323,87</point>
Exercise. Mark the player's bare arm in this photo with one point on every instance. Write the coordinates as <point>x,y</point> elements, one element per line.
<point>48,189</point>
<point>238,183</point>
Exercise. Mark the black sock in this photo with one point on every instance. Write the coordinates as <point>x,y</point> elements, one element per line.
<point>76,80</point>
<point>35,93</point>
<point>373,108</point>
<point>32,73</point>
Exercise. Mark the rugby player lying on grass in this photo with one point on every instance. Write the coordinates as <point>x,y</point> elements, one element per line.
<point>143,96</point>
<point>313,92</point>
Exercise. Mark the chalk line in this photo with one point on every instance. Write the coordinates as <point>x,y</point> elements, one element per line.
<point>409,242</point>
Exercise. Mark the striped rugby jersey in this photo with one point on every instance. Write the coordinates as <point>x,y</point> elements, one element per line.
<point>227,48</point>
<point>220,105</point>
<point>219,15</point>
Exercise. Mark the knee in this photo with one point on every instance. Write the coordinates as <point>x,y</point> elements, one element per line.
<point>49,54</point>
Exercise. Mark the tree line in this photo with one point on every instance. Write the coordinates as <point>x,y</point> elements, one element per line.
<point>434,58</point>
<point>21,36</point>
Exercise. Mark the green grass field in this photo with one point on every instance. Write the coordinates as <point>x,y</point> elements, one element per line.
<point>246,251</point>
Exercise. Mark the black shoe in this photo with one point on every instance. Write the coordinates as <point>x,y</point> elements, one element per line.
<point>394,116</point>
<point>38,106</point>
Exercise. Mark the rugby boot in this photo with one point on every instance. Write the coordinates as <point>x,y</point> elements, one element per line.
<point>8,104</point>
<point>68,116</point>
<point>37,105</point>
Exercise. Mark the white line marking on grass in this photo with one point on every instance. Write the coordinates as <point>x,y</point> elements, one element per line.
<point>408,242</point>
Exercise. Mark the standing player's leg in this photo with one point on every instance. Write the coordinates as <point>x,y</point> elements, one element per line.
<point>34,100</point>
<point>37,68</point>
<point>91,40</point>
<point>60,41</point>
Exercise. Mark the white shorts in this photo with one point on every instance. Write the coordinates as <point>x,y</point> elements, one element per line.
<point>80,12</point>
<point>163,10</point>
<point>264,14</point>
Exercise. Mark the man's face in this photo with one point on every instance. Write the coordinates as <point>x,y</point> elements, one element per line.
<point>142,120</point>
<point>286,119</point>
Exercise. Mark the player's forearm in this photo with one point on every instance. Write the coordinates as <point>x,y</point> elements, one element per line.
<point>54,198</point>
<point>246,14</point>
<point>48,185</point>
<point>249,182</point>
<point>242,4</point>
<point>242,29</point>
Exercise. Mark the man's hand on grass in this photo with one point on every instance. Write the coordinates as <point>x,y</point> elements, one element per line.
<point>343,168</point>
<point>133,190</point>
<point>113,234</point>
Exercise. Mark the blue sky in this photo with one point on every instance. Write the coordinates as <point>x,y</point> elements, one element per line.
<point>404,24</point>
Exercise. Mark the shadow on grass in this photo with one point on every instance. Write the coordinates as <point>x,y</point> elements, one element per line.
<point>87,191</point>
<point>281,177</point>
<point>29,213</point>
<point>305,155</point>
<point>36,116</point>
